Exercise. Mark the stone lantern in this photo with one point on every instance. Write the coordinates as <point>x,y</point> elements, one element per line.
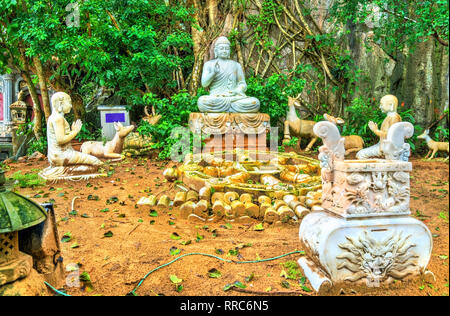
<point>16,213</point>
<point>19,110</point>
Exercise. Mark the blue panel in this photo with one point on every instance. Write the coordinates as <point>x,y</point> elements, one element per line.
<point>114,117</point>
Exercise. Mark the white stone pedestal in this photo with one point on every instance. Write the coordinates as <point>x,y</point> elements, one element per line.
<point>369,251</point>
<point>364,235</point>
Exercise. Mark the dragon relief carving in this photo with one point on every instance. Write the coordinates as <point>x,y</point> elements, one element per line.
<point>376,260</point>
<point>358,197</point>
<point>377,192</point>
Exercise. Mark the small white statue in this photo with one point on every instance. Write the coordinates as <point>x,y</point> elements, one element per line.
<point>433,146</point>
<point>388,104</point>
<point>226,81</point>
<point>65,162</point>
<point>113,148</point>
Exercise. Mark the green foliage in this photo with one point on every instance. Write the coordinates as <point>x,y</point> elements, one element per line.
<point>88,132</point>
<point>35,145</point>
<point>175,113</point>
<point>39,145</point>
<point>441,134</point>
<point>262,21</point>
<point>363,110</point>
<point>397,23</point>
<point>132,48</point>
<point>27,180</point>
<point>273,92</point>
<point>293,271</point>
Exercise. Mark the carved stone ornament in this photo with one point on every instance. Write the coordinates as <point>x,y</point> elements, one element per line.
<point>364,233</point>
<point>222,123</point>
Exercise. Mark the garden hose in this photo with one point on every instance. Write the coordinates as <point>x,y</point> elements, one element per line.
<point>133,292</point>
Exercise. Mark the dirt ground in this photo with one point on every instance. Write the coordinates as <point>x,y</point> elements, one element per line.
<point>138,242</point>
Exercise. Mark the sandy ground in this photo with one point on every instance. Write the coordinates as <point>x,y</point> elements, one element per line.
<point>139,242</point>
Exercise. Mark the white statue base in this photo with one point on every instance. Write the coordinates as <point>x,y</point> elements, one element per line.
<point>364,234</point>
<point>71,173</point>
<point>366,251</point>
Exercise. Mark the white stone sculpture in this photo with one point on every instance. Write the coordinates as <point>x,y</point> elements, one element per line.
<point>364,234</point>
<point>65,162</point>
<point>226,81</point>
<point>388,104</point>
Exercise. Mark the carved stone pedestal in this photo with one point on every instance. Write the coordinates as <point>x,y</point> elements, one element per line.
<point>364,234</point>
<point>229,131</point>
<point>369,251</point>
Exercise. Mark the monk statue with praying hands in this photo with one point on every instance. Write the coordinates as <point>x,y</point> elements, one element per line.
<point>65,162</point>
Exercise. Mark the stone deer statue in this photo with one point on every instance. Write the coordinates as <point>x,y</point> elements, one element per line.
<point>433,146</point>
<point>353,143</point>
<point>297,127</point>
<point>111,149</point>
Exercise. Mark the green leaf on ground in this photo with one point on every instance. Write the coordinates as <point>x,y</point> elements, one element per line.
<point>66,237</point>
<point>174,251</point>
<point>174,279</point>
<point>214,273</point>
<point>258,227</point>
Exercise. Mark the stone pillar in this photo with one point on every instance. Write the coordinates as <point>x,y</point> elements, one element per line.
<point>7,96</point>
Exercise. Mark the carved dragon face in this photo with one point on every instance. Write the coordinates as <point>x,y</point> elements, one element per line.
<point>375,260</point>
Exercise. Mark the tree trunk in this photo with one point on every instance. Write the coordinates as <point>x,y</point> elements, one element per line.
<point>78,106</point>
<point>25,73</point>
<point>212,11</point>
<point>198,39</point>
<point>43,86</point>
<point>37,129</point>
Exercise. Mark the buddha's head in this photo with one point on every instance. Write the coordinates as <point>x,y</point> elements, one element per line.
<point>389,103</point>
<point>61,102</point>
<point>222,48</point>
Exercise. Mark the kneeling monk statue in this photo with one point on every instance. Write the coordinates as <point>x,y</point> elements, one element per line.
<point>388,104</point>
<point>65,162</point>
<point>226,81</point>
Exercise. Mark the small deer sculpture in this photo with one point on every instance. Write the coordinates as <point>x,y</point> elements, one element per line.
<point>297,127</point>
<point>433,146</point>
<point>152,119</point>
<point>353,143</point>
<point>111,149</point>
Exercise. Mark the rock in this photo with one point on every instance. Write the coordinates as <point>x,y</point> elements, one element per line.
<point>22,159</point>
<point>429,277</point>
<point>8,161</point>
<point>37,156</point>
<point>32,285</point>
<point>171,174</point>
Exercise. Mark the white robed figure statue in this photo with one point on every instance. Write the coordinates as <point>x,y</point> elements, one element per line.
<point>65,162</point>
<point>226,81</point>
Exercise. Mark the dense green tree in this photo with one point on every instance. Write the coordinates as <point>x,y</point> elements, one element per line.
<point>398,23</point>
<point>135,47</point>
